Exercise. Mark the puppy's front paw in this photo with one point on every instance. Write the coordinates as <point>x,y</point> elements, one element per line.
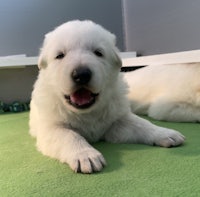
<point>169,138</point>
<point>87,161</point>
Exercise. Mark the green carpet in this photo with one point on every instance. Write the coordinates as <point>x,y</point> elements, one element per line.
<point>132,170</point>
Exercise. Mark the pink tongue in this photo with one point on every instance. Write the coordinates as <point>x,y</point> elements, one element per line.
<point>81,97</point>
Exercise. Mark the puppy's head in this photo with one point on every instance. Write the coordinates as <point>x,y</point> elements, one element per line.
<point>80,62</point>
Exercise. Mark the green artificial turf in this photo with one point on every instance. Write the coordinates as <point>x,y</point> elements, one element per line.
<point>132,170</point>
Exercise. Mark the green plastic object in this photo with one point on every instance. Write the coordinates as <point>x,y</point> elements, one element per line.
<point>14,107</point>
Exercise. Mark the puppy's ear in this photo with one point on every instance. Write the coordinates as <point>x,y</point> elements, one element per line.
<point>42,61</point>
<point>115,52</point>
<point>116,57</point>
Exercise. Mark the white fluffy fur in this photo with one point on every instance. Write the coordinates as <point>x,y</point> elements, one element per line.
<point>166,92</point>
<point>64,132</point>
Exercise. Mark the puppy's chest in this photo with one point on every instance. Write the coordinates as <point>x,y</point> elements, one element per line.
<point>91,129</point>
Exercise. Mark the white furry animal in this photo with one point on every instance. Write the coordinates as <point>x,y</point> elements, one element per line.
<point>80,97</point>
<point>166,92</point>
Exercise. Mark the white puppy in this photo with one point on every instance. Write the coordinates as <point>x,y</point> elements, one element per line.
<point>80,97</point>
<point>166,92</point>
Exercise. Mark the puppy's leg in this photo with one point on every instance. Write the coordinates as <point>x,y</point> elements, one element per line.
<point>133,129</point>
<point>69,147</point>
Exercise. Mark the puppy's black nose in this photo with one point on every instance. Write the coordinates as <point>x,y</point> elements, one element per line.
<point>81,75</point>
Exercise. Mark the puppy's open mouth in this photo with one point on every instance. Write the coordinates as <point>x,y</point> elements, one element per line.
<point>81,98</point>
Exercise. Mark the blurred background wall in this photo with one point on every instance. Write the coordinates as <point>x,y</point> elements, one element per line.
<point>145,26</point>
<point>24,23</point>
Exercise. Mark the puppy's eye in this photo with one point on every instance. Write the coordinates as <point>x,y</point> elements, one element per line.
<point>60,55</point>
<point>98,53</point>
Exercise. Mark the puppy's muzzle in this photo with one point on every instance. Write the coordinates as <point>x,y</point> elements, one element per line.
<point>82,97</point>
<point>81,75</point>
